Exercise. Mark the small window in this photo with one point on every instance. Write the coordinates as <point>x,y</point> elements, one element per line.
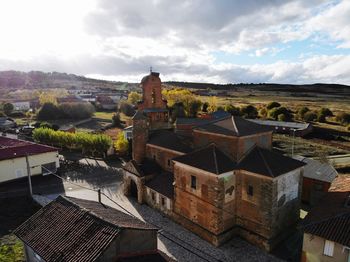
<point>163,201</point>
<point>250,190</point>
<point>153,196</point>
<point>328,248</point>
<point>193,182</point>
<point>168,162</point>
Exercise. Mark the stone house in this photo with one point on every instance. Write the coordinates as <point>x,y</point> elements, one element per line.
<point>71,229</point>
<point>222,180</point>
<point>327,229</point>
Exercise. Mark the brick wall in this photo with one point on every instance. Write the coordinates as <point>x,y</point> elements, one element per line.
<point>162,156</point>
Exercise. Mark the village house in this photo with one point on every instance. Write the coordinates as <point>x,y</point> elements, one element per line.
<point>223,180</point>
<point>13,164</point>
<point>317,179</point>
<point>72,229</point>
<point>327,230</point>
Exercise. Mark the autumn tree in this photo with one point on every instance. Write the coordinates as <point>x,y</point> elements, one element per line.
<point>121,145</point>
<point>134,97</point>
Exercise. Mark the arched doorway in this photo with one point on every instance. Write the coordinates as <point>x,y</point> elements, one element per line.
<point>133,189</point>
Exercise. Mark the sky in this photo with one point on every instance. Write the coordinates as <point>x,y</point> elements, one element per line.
<point>226,41</point>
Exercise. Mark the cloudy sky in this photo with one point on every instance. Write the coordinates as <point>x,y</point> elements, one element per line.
<point>226,41</point>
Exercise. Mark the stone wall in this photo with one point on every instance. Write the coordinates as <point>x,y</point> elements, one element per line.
<point>158,201</point>
<point>162,156</point>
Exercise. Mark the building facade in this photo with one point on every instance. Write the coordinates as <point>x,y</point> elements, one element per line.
<point>220,180</point>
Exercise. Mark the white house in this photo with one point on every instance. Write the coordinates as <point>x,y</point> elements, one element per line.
<point>42,159</point>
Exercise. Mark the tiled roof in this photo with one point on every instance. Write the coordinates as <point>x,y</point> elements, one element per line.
<point>13,148</point>
<point>234,126</point>
<point>163,184</point>
<point>169,140</point>
<point>331,219</point>
<point>147,167</point>
<point>317,170</point>
<point>70,229</point>
<point>341,184</point>
<point>210,159</point>
<point>268,163</point>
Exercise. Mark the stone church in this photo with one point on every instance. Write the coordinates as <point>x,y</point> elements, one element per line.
<point>222,180</point>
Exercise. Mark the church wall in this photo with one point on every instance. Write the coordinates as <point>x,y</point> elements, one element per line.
<point>162,156</point>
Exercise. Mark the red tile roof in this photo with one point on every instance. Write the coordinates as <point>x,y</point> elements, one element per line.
<point>70,229</point>
<point>13,148</point>
<point>331,219</point>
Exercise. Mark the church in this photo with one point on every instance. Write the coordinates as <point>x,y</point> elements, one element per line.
<point>221,180</point>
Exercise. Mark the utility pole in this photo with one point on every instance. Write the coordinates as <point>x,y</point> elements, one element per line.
<point>29,173</point>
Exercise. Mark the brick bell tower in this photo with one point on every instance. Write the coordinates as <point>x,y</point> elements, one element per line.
<point>139,136</point>
<point>153,105</point>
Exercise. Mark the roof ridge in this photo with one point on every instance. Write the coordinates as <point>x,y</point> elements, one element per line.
<point>234,125</point>
<point>265,162</point>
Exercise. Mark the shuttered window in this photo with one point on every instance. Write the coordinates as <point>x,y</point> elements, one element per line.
<point>328,248</point>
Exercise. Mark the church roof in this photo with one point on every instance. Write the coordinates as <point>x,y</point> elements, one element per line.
<point>210,159</point>
<point>147,167</point>
<point>169,140</point>
<point>139,116</point>
<point>268,163</point>
<point>234,126</point>
<point>163,184</point>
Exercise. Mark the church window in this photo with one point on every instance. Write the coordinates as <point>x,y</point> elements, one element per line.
<point>193,182</point>
<point>250,190</point>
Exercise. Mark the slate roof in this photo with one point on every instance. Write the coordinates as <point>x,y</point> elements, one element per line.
<point>315,169</point>
<point>169,140</point>
<point>331,219</point>
<point>210,159</point>
<point>70,229</point>
<point>13,148</point>
<point>147,167</point>
<point>163,184</point>
<point>192,121</point>
<point>234,126</point>
<point>268,163</point>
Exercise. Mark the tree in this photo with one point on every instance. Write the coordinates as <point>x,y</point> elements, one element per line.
<point>326,112</point>
<point>282,117</point>
<point>47,97</point>
<point>310,116</point>
<point>121,145</point>
<point>194,107</point>
<point>126,108</point>
<point>49,111</point>
<point>343,118</point>
<point>249,111</point>
<point>76,110</point>
<point>272,105</point>
<point>205,107</point>
<point>233,110</point>
<point>263,112</point>
<point>177,110</point>
<point>116,119</point>
<point>212,107</point>
<point>276,111</point>
<point>134,97</point>
<point>8,108</point>
<point>302,111</point>
<point>321,117</point>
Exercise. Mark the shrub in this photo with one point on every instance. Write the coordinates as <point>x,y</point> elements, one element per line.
<point>343,118</point>
<point>263,112</point>
<point>233,110</point>
<point>282,117</point>
<point>321,117</point>
<point>326,112</point>
<point>272,105</point>
<point>126,108</point>
<point>121,145</point>
<point>49,111</point>
<point>76,110</point>
<point>310,116</point>
<point>194,107</point>
<point>302,111</point>
<point>249,111</point>
<point>7,108</point>
<point>276,111</point>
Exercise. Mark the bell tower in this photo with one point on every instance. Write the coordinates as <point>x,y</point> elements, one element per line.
<point>139,136</point>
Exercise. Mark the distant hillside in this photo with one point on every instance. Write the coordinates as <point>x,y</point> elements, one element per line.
<point>36,79</point>
<point>313,88</point>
